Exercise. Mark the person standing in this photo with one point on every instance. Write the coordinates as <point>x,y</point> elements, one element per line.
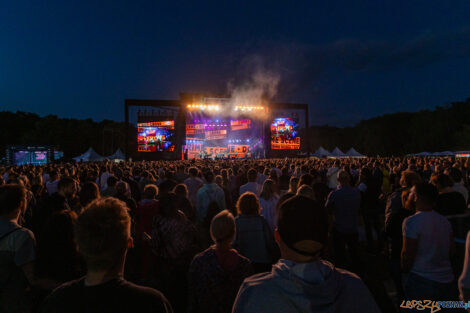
<point>209,194</point>
<point>193,183</point>
<point>343,205</point>
<point>215,275</point>
<point>428,244</point>
<point>268,201</point>
<point>332,175</point>
<point>17,251</point>
<point>251,185</point>
<point>254,238</point>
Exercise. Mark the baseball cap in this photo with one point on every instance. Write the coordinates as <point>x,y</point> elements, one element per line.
<point>303,225</point>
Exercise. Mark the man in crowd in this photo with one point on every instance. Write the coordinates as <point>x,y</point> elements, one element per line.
<point>251,185</point>
<point>193,183</point>
<point>66,190</point>
<point>343,205</point>
<point>395,213</point>
<point>301,281</point>
<point>208,194</point>
<point>110,190</point>
<point>52,184</point>
<point>17,251</point>
<point>103,238</point>
<point>427,246</point>
<point>332,175</point>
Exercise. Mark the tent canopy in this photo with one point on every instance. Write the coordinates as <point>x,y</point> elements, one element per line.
<point>118,155</point>
<point>337,153</point>
<point>89,156</point>
<point>353,153</point>
<point>322,152</point>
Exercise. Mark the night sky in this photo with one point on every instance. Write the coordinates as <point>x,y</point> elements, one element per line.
<point>349,60</point>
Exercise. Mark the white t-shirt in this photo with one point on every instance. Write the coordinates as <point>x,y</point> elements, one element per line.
<point>104,180</point>
<point>434,234</point>
<point>52,187</point>
<point>268,210</point>
<point>332,177</point>
<point>250,187</point>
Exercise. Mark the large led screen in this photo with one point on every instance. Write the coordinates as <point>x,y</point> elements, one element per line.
<point>156,136</point>
<point>285,134</point>
<point>228,137</point>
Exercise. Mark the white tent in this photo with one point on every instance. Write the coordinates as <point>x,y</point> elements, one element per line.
<point>322,152</point>
<point>444,153</point>
<point>353,153</point>
<point>422,154</point>
<point>337,153</point>
<point>118,155</point>
<point>89,156</point>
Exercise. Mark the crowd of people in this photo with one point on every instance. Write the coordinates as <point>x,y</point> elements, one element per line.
<point>252,235</point>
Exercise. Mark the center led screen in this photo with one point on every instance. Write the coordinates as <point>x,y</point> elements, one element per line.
<point>156,136</point>
<point>229,137</point>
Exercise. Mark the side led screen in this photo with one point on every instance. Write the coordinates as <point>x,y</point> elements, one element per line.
<point>285,134</point>
<point>156,136</point>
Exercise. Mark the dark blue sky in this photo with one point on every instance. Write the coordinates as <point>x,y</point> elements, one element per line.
<point>348,60</point>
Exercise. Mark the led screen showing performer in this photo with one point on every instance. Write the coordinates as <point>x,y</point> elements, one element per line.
<point>155,136</point>
<point>285,134</point>
<point>213,136</point>
<point>39,157</point>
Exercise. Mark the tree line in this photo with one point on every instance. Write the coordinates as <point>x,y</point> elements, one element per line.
<point>444,128</point>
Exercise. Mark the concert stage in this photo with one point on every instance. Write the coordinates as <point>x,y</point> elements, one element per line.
<point>208,126</point>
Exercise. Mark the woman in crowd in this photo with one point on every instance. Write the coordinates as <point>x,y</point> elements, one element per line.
<point>268,200</point>
<point>228,198</point>
<point>254,238</point>
<point>216,274</point>
<point>143,217</point>
<point>181,192</point>
<point>173,241</point>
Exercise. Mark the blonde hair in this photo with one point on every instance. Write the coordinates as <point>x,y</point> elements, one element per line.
<point>267,190</point>
<point>222,227</point>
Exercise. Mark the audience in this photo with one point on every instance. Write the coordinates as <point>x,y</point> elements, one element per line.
<point>187,244</point>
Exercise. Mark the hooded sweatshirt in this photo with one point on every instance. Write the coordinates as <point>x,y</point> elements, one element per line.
<point>304,287</point>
